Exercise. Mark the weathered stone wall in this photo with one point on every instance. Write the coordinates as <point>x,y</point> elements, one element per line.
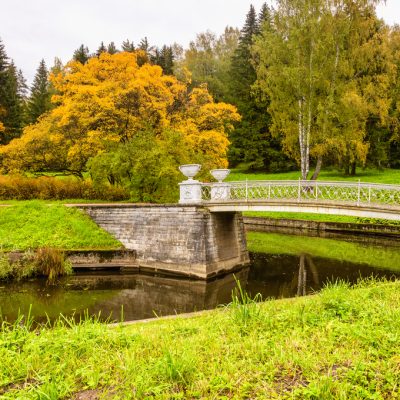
<point>187,240</point>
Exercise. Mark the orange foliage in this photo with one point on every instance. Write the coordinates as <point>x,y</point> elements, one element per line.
<point>108,100</point>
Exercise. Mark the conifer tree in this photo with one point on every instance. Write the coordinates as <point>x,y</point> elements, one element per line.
<point>39,101</point>
<point>111,48</point>
<point>102,49</point>
<point>251,141</point>
<point>11,113</point>
<point>13,106</point>
<point>128,46</point>
<point>82,54</point>
<point>3,82</point>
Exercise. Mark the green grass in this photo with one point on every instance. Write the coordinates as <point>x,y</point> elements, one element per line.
<point>273,243</point>
<point>344,219</point>
<point>340,344</point>
<point>391,176</point>
<point>34,224</point>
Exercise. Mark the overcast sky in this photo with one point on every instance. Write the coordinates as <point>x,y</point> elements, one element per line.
<point>36,29</point>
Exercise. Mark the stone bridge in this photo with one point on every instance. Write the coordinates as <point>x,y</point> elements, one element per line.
<point>204,235</point>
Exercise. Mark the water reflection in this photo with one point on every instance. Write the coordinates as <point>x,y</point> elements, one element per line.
<point>138,296</point>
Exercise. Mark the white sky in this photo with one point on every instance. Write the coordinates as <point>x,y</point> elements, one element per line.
<point>36,29</point>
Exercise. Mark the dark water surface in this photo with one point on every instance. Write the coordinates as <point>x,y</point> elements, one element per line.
<point>138,296</point>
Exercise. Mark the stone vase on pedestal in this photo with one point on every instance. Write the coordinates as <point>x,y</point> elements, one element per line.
<point>190,190</point>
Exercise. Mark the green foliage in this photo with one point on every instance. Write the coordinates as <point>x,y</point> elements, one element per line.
<point>81,54</point>
<point>251,140</point>
<point>11,101</point>
<point>34,224</point>
<point>40,99</point>
<point>15,187</point>
<point>339,344</point>
<point>208,59</point>
<point>147,166</point>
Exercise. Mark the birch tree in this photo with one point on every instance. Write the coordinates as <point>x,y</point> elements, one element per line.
<point>313,59</point>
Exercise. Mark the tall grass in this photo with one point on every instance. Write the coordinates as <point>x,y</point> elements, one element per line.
<point>245,311</point>
<point>340,344</point>
<point>46,261</point>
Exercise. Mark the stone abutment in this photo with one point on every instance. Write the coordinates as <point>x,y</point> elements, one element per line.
<point>180,239</point>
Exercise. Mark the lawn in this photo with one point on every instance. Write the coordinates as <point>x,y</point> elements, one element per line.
<point>32,224</point>
<point>342,343</point>
<point>388,176</point>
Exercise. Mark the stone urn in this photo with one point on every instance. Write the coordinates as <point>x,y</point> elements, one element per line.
<point>190,170</point>
<point>220,174</point>
<point>220,191</point>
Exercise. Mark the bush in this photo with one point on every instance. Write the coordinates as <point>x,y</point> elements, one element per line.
<point>15,187</point>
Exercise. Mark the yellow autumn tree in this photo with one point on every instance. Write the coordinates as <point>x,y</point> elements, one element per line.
<point>106,102</point>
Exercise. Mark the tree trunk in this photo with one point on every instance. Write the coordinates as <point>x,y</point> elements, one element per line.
<point>317,169</point>
<point>353,169</point>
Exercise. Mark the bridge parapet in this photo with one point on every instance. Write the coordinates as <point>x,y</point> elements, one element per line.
<point>354,193</point>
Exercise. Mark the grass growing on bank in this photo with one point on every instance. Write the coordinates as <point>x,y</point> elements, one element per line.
<point>339,344</point>
<point>344,219</point>
<point>387,176</point>
<point>34,224</point>
<point>274,243</point>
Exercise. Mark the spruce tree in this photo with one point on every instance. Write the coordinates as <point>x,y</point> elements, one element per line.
<point>11,102</point>
<point>13,106</point>
<point>40,99</point>
<point>251,141</point>
<point>128,46</point>
<point>111,48</point>
<point>102,49</point>
<point>81,54</point>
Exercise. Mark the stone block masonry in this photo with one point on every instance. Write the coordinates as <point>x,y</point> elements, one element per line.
<point>179,239</point>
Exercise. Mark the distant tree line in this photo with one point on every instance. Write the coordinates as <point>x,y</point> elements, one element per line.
<point>315,84</point>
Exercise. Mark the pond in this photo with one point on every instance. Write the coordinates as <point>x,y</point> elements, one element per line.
<point>281,266</point>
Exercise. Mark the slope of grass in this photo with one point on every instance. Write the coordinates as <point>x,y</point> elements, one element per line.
<point>339,344</point>
<point>273,243</point>
<point>33,224</point>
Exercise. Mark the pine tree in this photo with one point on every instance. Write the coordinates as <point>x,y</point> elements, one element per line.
<point>81,54</point>
<point>39,101</point>
<point>101,49</point>
<point>11,112</point>
<point>163,57</point>
<point>111,48</point>
<point>128,46</point>
<point>3,80</point>
<point>251,141</point>
<point>13,118</point>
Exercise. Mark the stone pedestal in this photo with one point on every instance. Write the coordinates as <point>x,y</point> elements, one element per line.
<point>190,192</point>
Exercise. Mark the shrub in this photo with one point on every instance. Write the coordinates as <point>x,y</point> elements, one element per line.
<point>16,187</point>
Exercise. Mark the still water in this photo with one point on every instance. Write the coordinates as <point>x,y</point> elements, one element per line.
<point>293,267</point>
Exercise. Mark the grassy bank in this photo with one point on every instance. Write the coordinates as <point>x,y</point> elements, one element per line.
<point>343,219</point>
<point>34,224</point>
<point>388,176</point>
<point>274,243</point>
<point>340,344</point>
